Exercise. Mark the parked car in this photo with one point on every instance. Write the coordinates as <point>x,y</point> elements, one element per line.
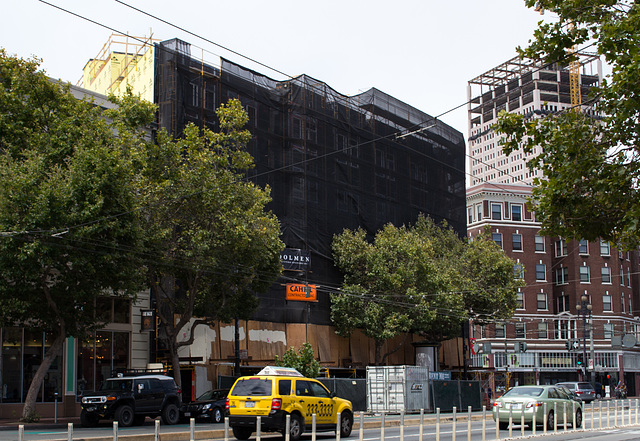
<point>130,399</point>
<point>276,392</point>
<point>210,406</point>
<point>582,390</point>
<point>532,399</point>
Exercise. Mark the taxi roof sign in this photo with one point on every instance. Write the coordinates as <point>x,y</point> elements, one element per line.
<point>279,370</point>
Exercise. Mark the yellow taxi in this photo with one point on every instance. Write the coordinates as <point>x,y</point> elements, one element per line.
<point>276,392</point>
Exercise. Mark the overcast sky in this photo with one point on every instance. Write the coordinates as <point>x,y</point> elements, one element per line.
<point>422,52</point>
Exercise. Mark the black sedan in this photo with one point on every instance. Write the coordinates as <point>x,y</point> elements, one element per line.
<point>210,406</point>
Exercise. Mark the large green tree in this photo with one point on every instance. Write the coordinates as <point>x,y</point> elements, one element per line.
<point>211,243</point>
<point>67,209</point>
<point>419,279</point>
<point>591,166</point>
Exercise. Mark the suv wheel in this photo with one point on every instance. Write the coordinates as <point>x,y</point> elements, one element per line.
<point>242,433</point>
<point>295,428</point>
<point>170,414</point>
<point>346,424</point>
<point>125,416</point>
<point>88,419</point>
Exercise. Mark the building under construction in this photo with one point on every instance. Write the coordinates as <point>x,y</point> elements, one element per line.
<point>332,161</point>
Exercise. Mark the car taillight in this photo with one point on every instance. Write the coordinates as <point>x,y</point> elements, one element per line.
<point>276,404</point>
<point>497,404</point>
<point>578,392</point>
<point>227,404</point>
<point>533,404</point>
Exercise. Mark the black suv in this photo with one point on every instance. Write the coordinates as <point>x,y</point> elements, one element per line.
<point>129,400</point>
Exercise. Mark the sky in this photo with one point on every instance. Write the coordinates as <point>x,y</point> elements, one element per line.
<point>422,52</point>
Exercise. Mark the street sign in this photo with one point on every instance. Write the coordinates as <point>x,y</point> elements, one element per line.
<point>575,344</point>
<point>591,364</point>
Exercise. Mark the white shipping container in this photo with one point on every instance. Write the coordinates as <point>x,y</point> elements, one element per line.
<point>397,388</point>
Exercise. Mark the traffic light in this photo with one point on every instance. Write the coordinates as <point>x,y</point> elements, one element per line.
<point>568,345</point>
<point>520,346</point>
<point>580,360</point>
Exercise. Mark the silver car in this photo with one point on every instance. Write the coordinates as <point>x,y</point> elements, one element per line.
<point>582,390</point>
<point>542,401</point>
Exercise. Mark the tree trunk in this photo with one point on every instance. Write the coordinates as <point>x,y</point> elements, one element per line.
<point>378,352</point>
<point>175,361</point>
<point>29,410</point>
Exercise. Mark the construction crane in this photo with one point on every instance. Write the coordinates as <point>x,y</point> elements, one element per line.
<point>574,70</point>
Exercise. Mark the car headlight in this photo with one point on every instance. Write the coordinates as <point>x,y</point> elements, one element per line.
<point>206,406</point>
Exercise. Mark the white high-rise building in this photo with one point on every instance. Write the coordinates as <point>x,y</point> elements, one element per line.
<point>529,87</point>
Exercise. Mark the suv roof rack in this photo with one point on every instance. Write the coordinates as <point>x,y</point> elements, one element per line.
<point>138,372</point>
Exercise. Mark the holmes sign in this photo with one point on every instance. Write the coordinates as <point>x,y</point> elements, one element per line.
<point>293,259</point>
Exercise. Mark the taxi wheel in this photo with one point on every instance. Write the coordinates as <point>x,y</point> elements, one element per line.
<point>346,424</point>
<point>242,433</point>
<point>295,428</point>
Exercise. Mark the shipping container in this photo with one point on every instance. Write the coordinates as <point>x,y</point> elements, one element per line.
<point>397,388</point>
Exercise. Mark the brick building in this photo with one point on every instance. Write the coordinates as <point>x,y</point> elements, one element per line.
<point>578,312</point>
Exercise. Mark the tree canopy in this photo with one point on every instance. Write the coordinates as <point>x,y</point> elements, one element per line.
<point>68,217</point>
<point>211,242</point>
<point>419,279</point>
<point>591,166</point>
<point>91,206</point>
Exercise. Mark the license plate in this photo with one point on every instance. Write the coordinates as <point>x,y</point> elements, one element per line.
<point>515,405</point>
<point>250,404</point>
<point>187,414</point>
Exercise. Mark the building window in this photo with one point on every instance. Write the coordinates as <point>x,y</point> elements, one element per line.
<point>605,249</point>
<point>496,211</point>
<point>519,300</point>
<point>479,212</point>
<point>606,303</point>
<point>543,330</point>
<point>622,302</point>
<point>608,331</point>
<point>470,215</point>
<point>605,271</point>
<point>583,247</point>
<point>561,248</point>
<point>499,330</point>
<point>562,275</point>
<point>542,301</point>
<point>563,303</point>
<point>584,274</point>
<point>541,272</point>
<point>520,330</point>
<point>497,238</point>
<point>621,276</point>
<point>539,241</point>
<point>629,277</point>
<point>563,329</point>
<point>516,213</point>
<point>516,242</point>
<point>518,271</point>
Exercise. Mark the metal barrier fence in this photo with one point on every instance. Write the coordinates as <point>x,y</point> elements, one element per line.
<point>597,415</point>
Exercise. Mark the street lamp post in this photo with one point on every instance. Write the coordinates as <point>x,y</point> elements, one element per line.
<point>584,308</point>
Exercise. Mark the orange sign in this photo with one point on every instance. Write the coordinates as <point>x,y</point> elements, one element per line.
<point>304,293</point>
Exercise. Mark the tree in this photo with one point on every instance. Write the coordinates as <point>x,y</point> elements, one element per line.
<point>211,242</point>
<point>591,166</point>
<point>422,279</point>
<point>67,210</point>
<point>303,361</point>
